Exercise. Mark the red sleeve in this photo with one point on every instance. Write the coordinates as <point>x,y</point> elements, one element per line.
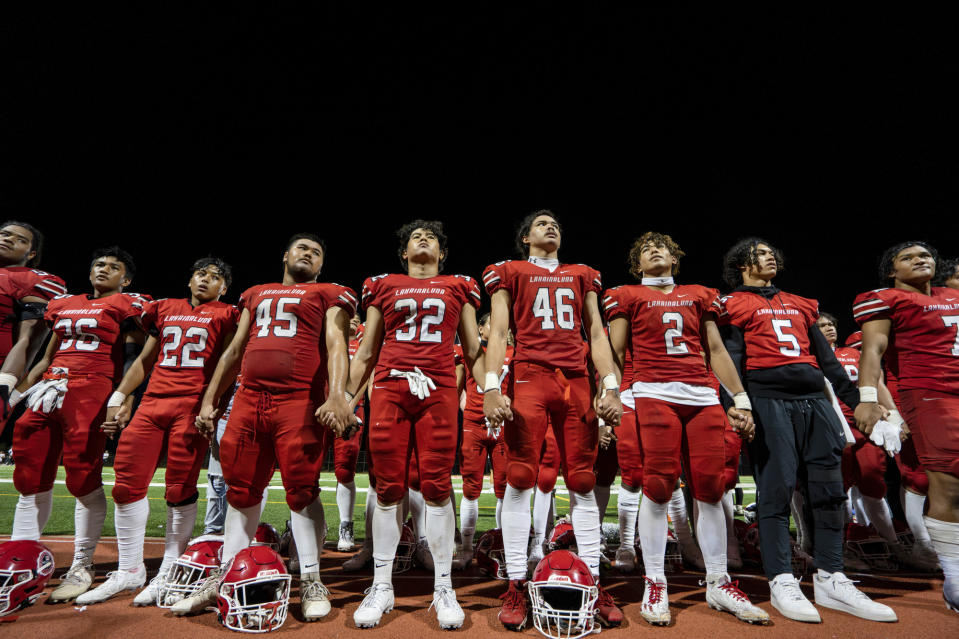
<point>245,299</point>
<point>344,297</point>
<point>711,302</point>
<point>812,308</point>
<point>872,305</point>
<point>728,314</point>
<point>50,314</point>
<point>594,281</point>
<point>148,319</point>
<point>473,294</point>
<point>457,354</point>
<point>35,283</point>
<point>233,316</point>
<point>614,303</point>
<point>370,291</point>
<point>495,277</point>
<point>134,305</point>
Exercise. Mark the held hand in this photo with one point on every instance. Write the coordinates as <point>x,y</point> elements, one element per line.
<point>335,414</point>
<point>206,421</point>
<point>606,436</point>
<point>116,420</point>
<point>867,414</point>
<point>742,422</point>
<point>610,409</point>
<point>496,407</point>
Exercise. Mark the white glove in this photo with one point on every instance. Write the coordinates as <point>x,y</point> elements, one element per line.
<point>47,394</point>
<point>492,431</point>
<point>887,435</point>
<point>420,383</point>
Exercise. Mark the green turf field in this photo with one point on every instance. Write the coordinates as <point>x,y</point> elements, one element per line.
<point>276,513</point>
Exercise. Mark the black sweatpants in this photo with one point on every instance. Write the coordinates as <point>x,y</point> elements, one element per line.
<point>798,440</point>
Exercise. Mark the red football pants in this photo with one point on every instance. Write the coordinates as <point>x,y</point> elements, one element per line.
<point>864,466</point>
<point>73,430</point>
<point>476,447</point>
<point>933,418</point>
<point>544,396</point>
<point>913,476</point>
<point>628,450</point>
<point>548,464</point>
<point>400,424</point>
<point>160,423</point>
<point>346,452</point>
<point>266,430</point>
<point>673,433</point>
<point>733,443</point>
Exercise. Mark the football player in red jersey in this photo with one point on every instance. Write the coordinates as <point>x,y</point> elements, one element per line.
<point>916,326</point>
<point>548,305</point>
<point>24,294</point>
<point>345,453</point>
<point>678,415</point>
<point>411,322</point>
<point>480,442</point>
<point>947,274</point>
<point>782,357</point>
<point>291,342</point>
<point>83,361</point>
<point>185,337</point>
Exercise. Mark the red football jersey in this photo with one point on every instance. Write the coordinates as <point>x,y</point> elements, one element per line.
<point>923,351</point>
<point>90,331</point>
<point>473,411</point>
<point>777,328</point>
<point>666,330</point>
<point>547,310</point>
<point>191,339</point>
<point>286,350</point>
<point>16,283</point>
<point>849,358</point>
<point>420,319</point>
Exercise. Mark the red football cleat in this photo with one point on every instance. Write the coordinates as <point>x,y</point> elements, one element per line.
<point>607,612</point>
<point>515,608</point>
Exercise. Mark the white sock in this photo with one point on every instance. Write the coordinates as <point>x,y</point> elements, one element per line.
<point>309,533</point>
<point>729,510</point>
<point>877,510</point>
<point>602,500</point>
<point>179,529</point>
<point>584,514</point>
<point>516,522</point>
<point>945,541</point>
<point>499,513</point>
<point>386,537</point>
<point>266,498</point>
<point>239,529</point>
<point>469,513</point>
<point>418,513</point>
<point>88,517</point>
<point>711,535</point>
<point>346,500</point>
<point>541,506</point>
<point>370,509</point>
<point>676,509</point>
<point>130,521</point>
<point>440,528</point>
<point>628,507</point>
<point>913,505</point>
<point>31,515</point>
<point>652,536</point>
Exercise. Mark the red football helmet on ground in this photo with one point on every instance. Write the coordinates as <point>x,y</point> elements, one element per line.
<point>864,543</point>
<point>25,568</point>
<point>266,535</point>
<point>562,536</point>
<point>190,569</point>
<point>405,549</point>
<point>563,596</point>
<point>490,554</point>
<point>255,592</point>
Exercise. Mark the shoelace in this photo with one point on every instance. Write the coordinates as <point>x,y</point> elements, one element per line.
<point>848,585</point>
<point>792,590</point>
<point>513,598</point>
<point>372,594</point>
<point>75,573</point>
<point>314,590</point>
<point>732,589</point>
<point>443,596</point>
<point>604,599</point>
<point>655,590</point>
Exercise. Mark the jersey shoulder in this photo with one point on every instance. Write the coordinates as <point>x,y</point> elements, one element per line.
<point>467,287</point>
<point>32,282</point>
<point>591,277</point>
<point>876,303</point>
<point>617,300</point>
<point>338,295</point>
<point>500,274</point>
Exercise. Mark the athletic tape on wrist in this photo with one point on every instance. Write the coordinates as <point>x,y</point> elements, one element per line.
<point>868,394</point>
<point>741,401</point>
<point>491,383</point>
<point>116,399</point>
<point>8,379</point>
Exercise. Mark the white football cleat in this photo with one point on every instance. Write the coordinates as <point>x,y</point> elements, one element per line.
<point>117,582</point>
<point>655,608</point>
<point>787,597</point>
<point>725,595</point>
<point>148,596</point>
<point>377,602</point>
<point>839,592</point>
<point>449,615</point>
<point>203,597</point>
<point>73,584</point>
<point>314,599</point>
<point>625,560</point>
<point>345,542</point>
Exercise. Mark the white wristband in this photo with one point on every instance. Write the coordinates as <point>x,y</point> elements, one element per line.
<point>116,399</point>
<point>609,382</point>
<point>869,394</point>
<point>8,379</point>
<point>492,382</point>
<point>741,401</point>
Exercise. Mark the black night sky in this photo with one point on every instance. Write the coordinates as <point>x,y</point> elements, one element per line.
<point>178,133</point>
